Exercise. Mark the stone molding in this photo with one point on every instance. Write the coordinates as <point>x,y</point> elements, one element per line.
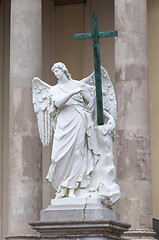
<point>141,234</point>
<point>23,237</point>
<point>78,229</point>
<point>68,2</point>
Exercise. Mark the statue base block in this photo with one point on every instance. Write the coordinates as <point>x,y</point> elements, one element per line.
<point>79,218</point>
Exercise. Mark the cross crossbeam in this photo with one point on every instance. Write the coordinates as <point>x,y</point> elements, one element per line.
<point>89,35</point>
<point>95,35</point>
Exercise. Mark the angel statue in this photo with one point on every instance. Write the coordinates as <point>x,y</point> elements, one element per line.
<point>82,159</point>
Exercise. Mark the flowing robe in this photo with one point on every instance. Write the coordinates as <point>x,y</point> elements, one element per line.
<point>73,153</point>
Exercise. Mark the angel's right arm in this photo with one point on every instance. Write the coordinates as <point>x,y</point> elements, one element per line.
<point>61,101</point>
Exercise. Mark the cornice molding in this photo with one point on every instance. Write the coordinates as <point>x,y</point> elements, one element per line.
<point>68,2</point>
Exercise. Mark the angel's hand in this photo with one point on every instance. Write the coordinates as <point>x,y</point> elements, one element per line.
<point>111,122</point>
<point>60,102</point>
<point>110,126</point>
<point>77,90</point>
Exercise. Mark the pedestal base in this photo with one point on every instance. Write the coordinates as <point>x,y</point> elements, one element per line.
<point>99,230</point>
<point>79,218</point>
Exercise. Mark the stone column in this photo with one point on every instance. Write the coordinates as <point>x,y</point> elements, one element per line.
<point>25,180</point>
<point>133,132</point>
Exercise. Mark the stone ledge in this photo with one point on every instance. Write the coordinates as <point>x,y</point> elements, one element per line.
<point>140,234</point>
<point>23,237</point>
<point>77,229</point>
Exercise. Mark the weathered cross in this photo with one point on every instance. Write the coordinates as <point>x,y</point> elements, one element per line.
<point>96,35</point>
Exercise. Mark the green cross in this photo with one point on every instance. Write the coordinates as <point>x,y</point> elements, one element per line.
<point>96,35</point>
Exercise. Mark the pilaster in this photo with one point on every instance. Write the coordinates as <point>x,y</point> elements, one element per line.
<point>133,130</point>
<point>25,178</point>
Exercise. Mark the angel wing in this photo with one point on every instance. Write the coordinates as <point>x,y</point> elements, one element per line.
<point>108,93</point>
<point>43,107</point>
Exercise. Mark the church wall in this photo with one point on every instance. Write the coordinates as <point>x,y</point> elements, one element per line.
<point>153,47</point>
<point>70,20</point>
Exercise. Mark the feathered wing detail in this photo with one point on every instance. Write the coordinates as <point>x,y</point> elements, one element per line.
<point>43,107</point>
<point>108,93</point>
<point>90,80</point>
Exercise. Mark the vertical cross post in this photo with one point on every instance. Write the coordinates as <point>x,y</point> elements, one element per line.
<point>96,35</point>
<point>97,69</point>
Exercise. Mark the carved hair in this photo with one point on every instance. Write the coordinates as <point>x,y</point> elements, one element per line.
<point>61,66</point>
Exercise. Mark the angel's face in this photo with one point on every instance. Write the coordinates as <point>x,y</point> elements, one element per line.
<point>58,73</point>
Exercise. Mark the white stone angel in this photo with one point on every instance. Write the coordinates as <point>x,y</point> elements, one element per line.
<point>82,159</point>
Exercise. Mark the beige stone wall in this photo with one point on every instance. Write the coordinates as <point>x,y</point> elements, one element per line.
<point>153,40</point>
<point>69,20</point>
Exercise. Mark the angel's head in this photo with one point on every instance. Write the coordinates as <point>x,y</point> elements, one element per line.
<point>62,67</point>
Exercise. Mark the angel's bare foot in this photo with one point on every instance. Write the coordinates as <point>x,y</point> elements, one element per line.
<point>71,193</point>
<point>60,193</point>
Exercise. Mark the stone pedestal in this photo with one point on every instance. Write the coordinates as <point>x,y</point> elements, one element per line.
<point>79,218</point>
